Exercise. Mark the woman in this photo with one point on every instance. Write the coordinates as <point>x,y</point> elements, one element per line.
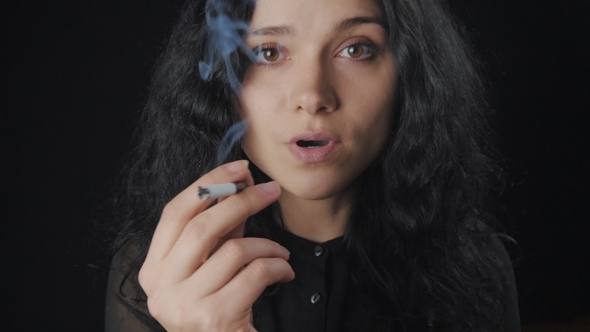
<point>369,176</point>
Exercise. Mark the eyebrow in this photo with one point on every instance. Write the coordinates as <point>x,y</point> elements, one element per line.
<point>355,21</point>
<point>273,30</point>
<point>286,30</point>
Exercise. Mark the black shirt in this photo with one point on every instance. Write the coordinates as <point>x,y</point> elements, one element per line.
<point>313,302</point>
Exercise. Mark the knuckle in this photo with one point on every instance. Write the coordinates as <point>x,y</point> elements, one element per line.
<point>142,278</point>
<point>169,210</point>
<point>197,228</point>
<point>242,199</point>
<point>233,249</point>
<point>260,269</point>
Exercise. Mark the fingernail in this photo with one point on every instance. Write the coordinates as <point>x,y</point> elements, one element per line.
<point>237,166</point>
<point>286,251</point>
<point>269,187</point>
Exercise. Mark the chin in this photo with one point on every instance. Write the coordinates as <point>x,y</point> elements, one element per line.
<point>312,188</point>
<point>308,195</point>
<point>309,182</point>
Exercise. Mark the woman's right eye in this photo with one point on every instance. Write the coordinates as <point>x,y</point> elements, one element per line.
<point>268,54</point>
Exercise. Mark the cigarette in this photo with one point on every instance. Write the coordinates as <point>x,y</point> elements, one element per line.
<point>221,190</point>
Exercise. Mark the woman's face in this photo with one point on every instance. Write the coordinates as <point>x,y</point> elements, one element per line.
<point>320,99</point>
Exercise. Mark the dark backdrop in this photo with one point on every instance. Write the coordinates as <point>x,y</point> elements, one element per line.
<point>75,74</point>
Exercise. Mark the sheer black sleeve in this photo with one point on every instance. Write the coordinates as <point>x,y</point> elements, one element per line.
<point>126,308</point>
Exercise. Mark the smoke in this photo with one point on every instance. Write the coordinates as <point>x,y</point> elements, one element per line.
<point>231,137</point>
<point>225,38</point>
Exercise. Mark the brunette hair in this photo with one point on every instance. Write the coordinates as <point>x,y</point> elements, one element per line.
<point>422,248</point>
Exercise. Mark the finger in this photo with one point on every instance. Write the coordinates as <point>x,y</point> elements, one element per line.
<point>231,257</point>
<point>202,233</point>
<point>245,288</point>
<point>182,208</point>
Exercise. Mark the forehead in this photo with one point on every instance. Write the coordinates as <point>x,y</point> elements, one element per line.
<point>311,13</point>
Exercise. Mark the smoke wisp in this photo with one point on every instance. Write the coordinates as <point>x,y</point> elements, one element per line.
<point>225,38</point>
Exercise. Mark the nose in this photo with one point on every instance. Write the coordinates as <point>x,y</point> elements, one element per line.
<point>312,89</point>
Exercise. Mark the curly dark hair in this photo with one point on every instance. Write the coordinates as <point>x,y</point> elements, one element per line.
<point>422,242</point>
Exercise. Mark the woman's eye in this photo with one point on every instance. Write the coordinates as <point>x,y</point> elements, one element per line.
<point>357,51</point>
<point>267,54</point>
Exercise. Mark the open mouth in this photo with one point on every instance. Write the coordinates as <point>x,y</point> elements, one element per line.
<point>312,144</point>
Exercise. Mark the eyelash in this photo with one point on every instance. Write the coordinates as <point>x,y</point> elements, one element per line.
<point>260,50</point>
<point>366,44</point>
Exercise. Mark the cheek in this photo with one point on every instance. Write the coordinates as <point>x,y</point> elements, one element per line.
<point>258,100</point>
<point>251,142</point>
<point>254,147</point>
<point>373,123</point>
<point>373,132</point>
<point>257,107</point>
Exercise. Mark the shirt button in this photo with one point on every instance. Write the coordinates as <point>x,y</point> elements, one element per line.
<point>315,298</point>
<point>318,251</point>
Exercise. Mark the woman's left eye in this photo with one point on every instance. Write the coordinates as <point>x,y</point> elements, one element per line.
<point>358,51</point>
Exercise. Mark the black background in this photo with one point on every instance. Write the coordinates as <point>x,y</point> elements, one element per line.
<point>75,74</point>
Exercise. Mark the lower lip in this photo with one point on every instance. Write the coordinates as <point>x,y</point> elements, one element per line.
<point>313,155</point>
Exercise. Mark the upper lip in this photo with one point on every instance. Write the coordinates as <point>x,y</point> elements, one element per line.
<point>319,135</point>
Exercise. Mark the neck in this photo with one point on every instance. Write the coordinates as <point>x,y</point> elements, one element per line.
<point>316,220</point>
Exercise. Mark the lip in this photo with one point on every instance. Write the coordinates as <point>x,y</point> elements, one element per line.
<point>316,154</point>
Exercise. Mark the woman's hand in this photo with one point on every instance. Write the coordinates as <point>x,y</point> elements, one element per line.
<point>200,274</point>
